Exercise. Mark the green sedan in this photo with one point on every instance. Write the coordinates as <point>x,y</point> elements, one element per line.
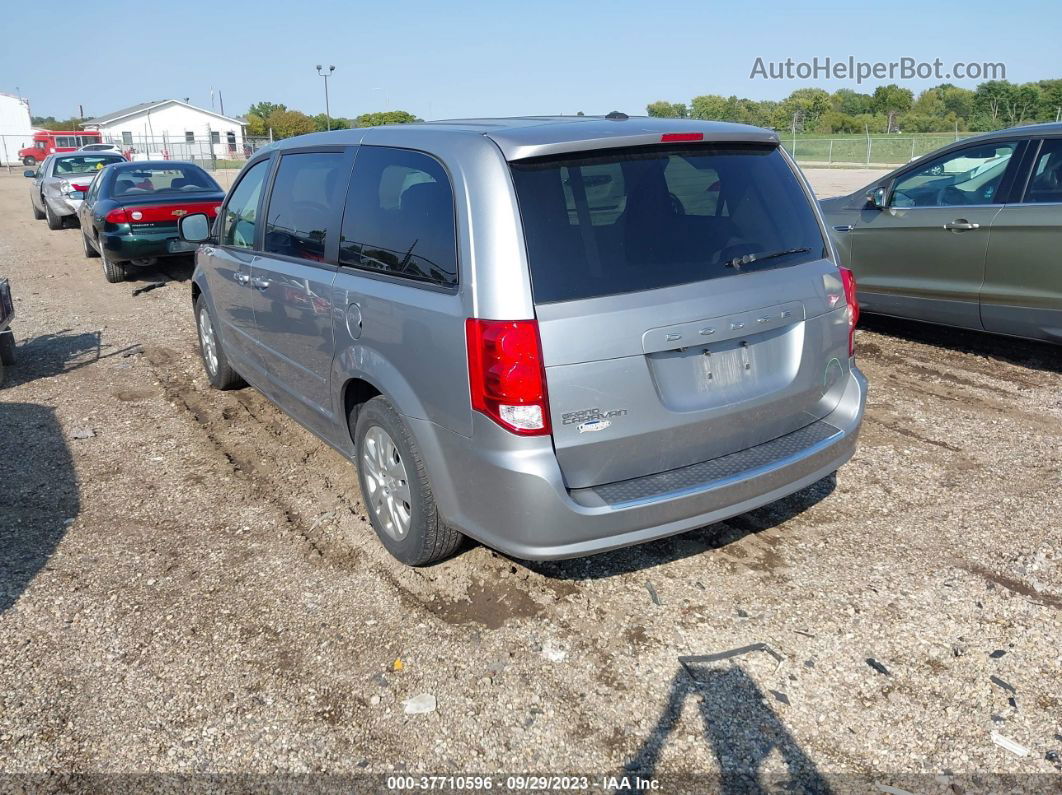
<point>967,236</point>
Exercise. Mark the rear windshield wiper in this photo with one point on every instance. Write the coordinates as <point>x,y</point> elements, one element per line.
<point>738,262</point>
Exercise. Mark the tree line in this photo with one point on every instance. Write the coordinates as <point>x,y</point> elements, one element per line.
<point>285,122</point>
<point>990,106</point>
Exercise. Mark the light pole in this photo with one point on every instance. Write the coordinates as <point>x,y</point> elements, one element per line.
<point>326,75</point>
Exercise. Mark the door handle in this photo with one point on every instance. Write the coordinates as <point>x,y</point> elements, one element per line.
<point>261,284</point>
<point>241,278</point>
<point>844,227</point>
<point>208,250</point>
<point>960,225</point>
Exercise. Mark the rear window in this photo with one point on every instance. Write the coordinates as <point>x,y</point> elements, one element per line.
<point>623,221</point>
<point>84,164</point>
<point>162,179</point>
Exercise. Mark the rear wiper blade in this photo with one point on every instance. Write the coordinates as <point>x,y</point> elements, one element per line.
<point>748,259</point>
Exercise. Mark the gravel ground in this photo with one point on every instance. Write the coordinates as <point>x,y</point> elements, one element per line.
<point>188,583</point>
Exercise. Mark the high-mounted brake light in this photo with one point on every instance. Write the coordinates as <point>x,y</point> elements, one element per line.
<point>505,374</point>
<point>849,282</point>
<point>669,138</point>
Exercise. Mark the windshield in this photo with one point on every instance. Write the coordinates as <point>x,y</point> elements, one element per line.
<point>84,164</point>
<point>163,179</point>
<point>620,221</point>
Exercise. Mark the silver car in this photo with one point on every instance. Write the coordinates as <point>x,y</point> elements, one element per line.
<point>557,336</point>
<point>61,182</point>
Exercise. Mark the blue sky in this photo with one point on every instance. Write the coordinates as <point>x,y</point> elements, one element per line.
<point>466,57</point>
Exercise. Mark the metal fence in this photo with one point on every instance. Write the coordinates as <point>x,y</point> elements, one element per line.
<point>221,152</point>
<point>865,151</point>
<point>213,152</point>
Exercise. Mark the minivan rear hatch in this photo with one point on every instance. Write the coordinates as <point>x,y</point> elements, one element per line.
<point>686,305</point>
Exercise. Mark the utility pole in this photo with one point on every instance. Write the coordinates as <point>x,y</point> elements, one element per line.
<point>328,112</point>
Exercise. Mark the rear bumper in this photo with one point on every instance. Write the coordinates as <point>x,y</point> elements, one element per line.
<point>512,497</point>
<point>141,245</point>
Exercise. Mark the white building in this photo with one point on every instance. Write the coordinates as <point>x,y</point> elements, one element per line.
<point>16,131</point>
<point>173,129</point>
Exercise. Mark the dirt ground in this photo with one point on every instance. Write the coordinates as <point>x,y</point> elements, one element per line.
<point>188,582</point>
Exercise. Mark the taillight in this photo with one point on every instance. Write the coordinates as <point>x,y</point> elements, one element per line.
<point>849,282</point>
<point>82,188</point>
<point>161,212</point>
<point>506,376</point>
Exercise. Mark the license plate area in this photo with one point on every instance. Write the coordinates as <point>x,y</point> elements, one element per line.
<point>727,372</point>
<point>178,246</point>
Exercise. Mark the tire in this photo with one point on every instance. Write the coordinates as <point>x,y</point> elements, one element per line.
<point>7,347</point>
<point>90,251</point>
<point>114,272</point>
<point>29,161</point>
<point>395,487</point>
<point>37,214</point>
<point>54,221</point>
<point>215,363</point>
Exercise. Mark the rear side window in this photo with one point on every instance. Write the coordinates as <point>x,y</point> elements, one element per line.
<point>1045,185</point>
<point>399,217</point>
<point>621,221</point>
<point>307,189</point>
<point>239,218</point>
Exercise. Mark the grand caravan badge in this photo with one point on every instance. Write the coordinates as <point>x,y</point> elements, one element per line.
<point>592,420</point>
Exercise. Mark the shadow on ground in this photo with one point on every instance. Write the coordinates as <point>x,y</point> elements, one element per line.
<point>166,270</point>
<point>38,494</point>
<point>53,354</point>
<point>685,545</point>
<point>742,730</point>
<point>1013,350</point>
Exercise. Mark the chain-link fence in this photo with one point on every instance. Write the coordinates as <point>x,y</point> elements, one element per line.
<point>865,151</point>
<point>224,152</point>
<point>213,152</point>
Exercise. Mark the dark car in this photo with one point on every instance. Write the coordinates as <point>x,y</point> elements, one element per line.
<point>967,236</point>
<point>130,213</point>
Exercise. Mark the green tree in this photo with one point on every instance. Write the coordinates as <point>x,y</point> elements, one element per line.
<point>708,106</point>
<point>804,107</point>
<point>667,110</point>
<point>990,103</point>
<point>52,123</point>
<point>265,109</point>
<point>287,123</point>
<point>851,103</point>
<point>321,123</point>
<point>892,99</point>
<point>1050,99</point>
<point>384,117</point>
<point>959,101</point>
<point>256,125</point>
<point>1024,104</point>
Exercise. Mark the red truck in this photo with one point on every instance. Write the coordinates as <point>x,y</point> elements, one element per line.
<point>48,142</point>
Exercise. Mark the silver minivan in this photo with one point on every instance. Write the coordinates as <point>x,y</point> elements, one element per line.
<point>557,336</point>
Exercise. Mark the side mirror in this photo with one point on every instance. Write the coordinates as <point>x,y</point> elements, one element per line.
<point>194,228</point>
<point>29,172</point>
<point>77,194</point>
<point>878,197</point>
